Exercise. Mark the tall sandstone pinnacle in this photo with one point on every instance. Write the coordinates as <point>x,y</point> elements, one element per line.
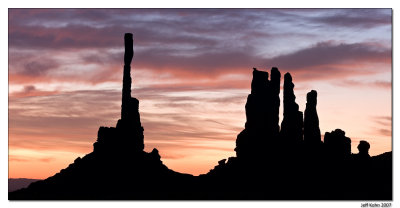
<point>128,133</point>
<point>312,133</point>
<point>292,123</point>
<point>275,85</point>
<point>130,118</point>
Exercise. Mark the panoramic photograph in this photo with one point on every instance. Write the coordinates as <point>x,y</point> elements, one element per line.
<point>200,104</point>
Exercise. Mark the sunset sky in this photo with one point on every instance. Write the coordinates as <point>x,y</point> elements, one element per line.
<point>191,71</point>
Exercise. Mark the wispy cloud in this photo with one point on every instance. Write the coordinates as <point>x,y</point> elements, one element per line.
<point>19,158</point>
<point>30,90</point>
<point>356,18</point>
<point>383,125</point>
<point>374,84</point>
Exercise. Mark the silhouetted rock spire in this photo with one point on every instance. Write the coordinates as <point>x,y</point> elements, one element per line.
<point>275,85</point>
<point>127,102</point>
<point>128,135</point>
<point>292,123</point>
<point>262,114</point>
<point>312,133</point>
<point>130,117</point>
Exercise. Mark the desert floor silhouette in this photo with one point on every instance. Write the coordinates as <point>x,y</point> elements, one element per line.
<point>273,162</point>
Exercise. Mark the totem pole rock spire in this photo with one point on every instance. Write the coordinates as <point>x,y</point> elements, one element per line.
<point>127,80</point>
<point>128,55</point>
<point>130,123</point>
<point>127,137</point>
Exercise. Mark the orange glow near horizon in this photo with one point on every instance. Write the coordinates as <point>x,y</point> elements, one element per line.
<point>213,119</point>
<point>206,134</point>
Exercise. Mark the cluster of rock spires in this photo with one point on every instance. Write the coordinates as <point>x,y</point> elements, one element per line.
<point>262,125</point>
<point>293,162</point>
<point>290,162</point>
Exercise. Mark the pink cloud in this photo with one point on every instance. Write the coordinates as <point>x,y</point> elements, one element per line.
<point>373,84</point>
<point>328,53</point>
<point>30,90</point>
